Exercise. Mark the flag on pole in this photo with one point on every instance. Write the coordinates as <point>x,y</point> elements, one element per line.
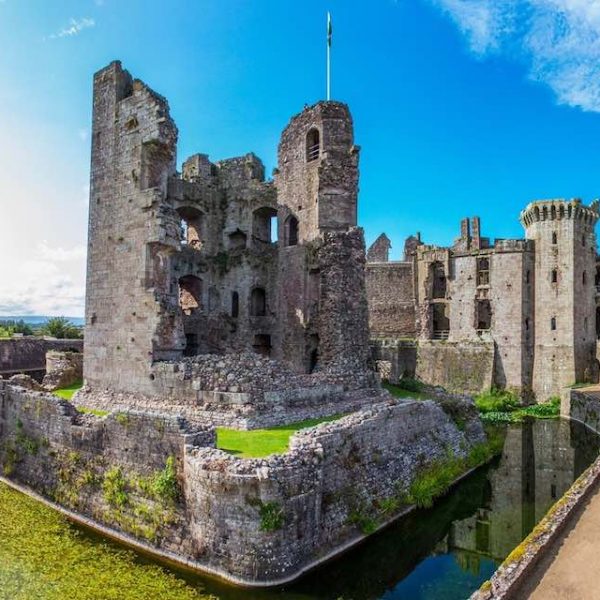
<point>329,35</point>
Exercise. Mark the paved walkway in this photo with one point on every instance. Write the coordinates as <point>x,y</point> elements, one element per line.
<point>571,568</point>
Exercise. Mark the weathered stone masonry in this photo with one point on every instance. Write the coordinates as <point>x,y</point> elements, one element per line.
<point>254,521</point>
<point>516,314</point>
<point>187,265</point>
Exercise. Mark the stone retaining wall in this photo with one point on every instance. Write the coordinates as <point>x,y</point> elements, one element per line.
<point>465,367</point>
<point>28,354</point>
<point>255,521</point>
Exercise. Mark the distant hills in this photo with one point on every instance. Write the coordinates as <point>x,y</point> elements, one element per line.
<point>40,320</point>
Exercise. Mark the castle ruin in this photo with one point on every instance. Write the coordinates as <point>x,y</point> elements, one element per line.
<point>216,261</point>
<point>518,314</point>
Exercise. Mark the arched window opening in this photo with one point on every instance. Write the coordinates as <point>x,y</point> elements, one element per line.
<point>291,231</point>
<point>483,271</point>
<point>439,280</point>
<point>258,303</point>
<point>554,238</point>
<point>190,293</point>
<point>526,324</point>
<point>262,344</point>
<point>584,278</point>
<point>235,305</point>
<point>237,240</point>
<point>583,240</point>
<point>313,145</point>
<point>264,225</point>
<point>554,276</point>
<point>528,276</point>
<point>191,226</point>
<point>553,212</point>
<point>553,323</point>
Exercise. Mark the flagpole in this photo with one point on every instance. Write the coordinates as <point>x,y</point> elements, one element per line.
<point>328,56</point>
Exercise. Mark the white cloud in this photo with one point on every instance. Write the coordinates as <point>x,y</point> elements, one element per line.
<point>75,27</point>
<point>42,288</point>
<point>45,252</point>
<point>558,40</point>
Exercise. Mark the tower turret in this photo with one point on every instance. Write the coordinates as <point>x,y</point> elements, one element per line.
<point>564,304</point>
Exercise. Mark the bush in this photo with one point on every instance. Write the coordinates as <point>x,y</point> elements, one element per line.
<point>412,385</point>
<point>496,401</point>
<point>271,516</point>
<point>164,484</point>
<point>544,410</point>
<point>114,487</point>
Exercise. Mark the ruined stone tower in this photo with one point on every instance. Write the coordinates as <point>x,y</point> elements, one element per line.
<point>317,188</point>
<point>133,154</point>
<point>565,308</point>
<point>215,259</point>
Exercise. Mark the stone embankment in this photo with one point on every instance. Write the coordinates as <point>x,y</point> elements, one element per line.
<point>159,480</point>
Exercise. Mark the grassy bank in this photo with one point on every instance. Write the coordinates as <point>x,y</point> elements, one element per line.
<point>503,406</point>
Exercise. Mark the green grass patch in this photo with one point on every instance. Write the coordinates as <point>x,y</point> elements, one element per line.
<point>92,411</point>
<point>67,392</point>
<point>407,389</point>
<point>263,442</point>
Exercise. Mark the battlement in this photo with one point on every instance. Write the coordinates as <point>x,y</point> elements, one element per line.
<point>558,209</point>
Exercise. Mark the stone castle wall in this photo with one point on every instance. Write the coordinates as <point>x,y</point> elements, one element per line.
<point>28,354</point>
<point>251,520</point>
<point>390,290</point>
<point>462,367</point>
<point>184,265</point>
<point>533,299</point>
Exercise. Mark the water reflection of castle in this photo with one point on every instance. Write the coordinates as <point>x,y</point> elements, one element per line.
<point>540,461</point>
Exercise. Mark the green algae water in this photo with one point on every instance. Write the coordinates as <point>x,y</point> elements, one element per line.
<point>443,553</point>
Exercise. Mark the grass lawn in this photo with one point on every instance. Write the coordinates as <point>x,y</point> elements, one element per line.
<point>399,392</point>
<point>262,442</point>
<point>67,392</point>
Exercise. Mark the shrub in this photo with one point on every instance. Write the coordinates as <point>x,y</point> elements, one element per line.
<point>412,385</point>
<point>271,516</point>
<point>496,401</point>
<point>165,485</point>
<point>365,523</point>
<point>544,410</point>
<point>114,487</point>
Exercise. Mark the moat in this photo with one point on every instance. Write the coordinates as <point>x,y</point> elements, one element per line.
<point>445,552</point>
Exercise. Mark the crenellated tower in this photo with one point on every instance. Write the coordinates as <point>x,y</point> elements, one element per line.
<point>564,296</point>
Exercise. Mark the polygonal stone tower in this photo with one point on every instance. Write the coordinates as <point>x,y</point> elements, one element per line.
<point>565,309</point>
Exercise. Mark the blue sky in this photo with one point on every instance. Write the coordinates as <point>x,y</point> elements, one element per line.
<point>461,107</point>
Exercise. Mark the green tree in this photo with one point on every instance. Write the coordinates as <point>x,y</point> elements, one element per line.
<point>61,328</point>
